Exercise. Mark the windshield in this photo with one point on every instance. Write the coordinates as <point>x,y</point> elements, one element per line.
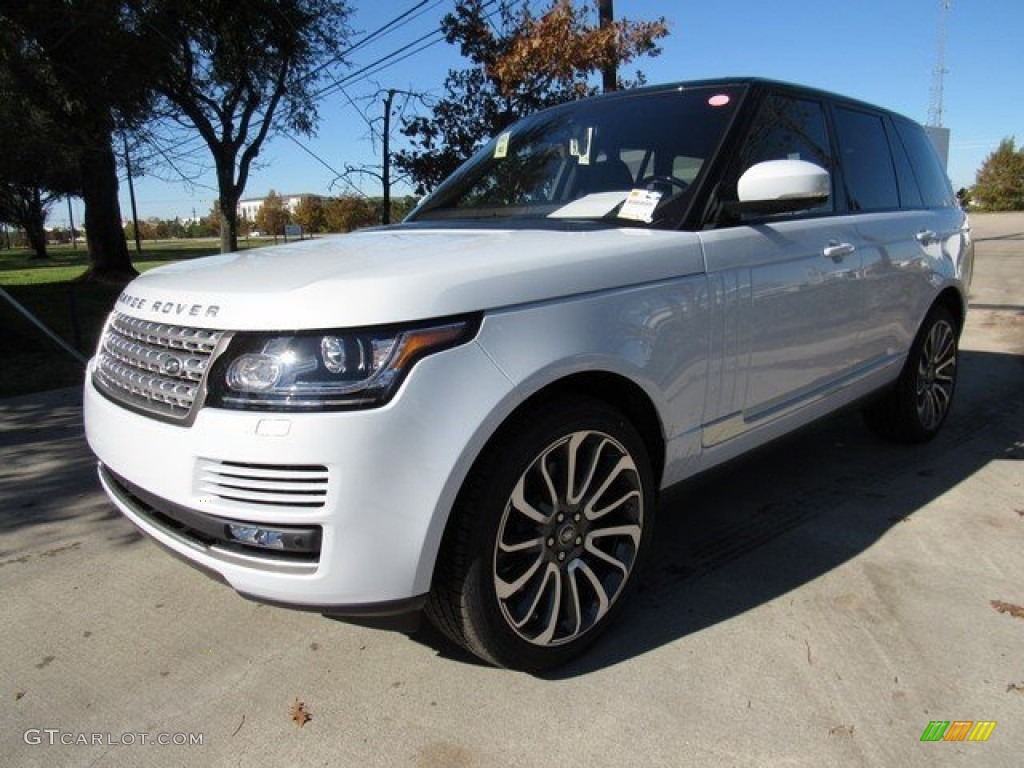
<point>628,159</point>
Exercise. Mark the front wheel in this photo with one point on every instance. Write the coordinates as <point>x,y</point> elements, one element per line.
<point>547,537</point>
<point>915,409</point>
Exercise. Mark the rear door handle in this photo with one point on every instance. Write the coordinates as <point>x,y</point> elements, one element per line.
<point>838,251</point>
<point>926,236</point>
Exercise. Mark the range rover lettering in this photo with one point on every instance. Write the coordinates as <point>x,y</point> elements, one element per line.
<point>472,414</point>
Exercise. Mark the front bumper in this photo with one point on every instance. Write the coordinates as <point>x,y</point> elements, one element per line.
<point>381,484</point>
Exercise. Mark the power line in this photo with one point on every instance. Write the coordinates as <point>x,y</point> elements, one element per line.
<point>391,63</point>
<point>327,165</point>
<point>390,27</point>
<point>395,23</point>
<point>395,56</point>
<point>416,10</point>
<point>353,76</point>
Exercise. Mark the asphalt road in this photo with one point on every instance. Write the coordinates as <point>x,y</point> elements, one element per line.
<point>817,604</point>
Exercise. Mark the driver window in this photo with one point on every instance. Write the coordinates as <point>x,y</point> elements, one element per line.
<point>787,128</point>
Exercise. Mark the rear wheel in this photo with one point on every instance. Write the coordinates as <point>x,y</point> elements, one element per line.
<point>547,536</point>
<point>915,409</point>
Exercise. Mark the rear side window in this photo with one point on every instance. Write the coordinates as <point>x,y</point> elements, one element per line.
<point>931,176</point>
<point>867,163</point>
<point>910,193</point>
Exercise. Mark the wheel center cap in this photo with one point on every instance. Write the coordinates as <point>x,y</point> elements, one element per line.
<point>567,534</point>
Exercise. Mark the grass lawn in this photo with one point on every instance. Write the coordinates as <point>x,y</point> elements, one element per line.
<point>75,311</point>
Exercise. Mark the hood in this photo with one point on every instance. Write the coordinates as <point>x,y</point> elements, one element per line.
<point>385,276</point>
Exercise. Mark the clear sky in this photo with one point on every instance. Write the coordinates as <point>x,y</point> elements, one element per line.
<point>880,51</point>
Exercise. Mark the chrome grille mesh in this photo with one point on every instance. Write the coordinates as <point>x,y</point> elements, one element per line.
<point>155,367</point>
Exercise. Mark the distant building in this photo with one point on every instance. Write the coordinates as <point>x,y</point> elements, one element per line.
<point>940,139</point>
<point>248,208</point>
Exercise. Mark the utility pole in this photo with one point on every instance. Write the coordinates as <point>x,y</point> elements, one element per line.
<point>131,193</point>
<point>385,170</point>
<point>610,74</point>
<point>71,224</point>
<point>385,174</point>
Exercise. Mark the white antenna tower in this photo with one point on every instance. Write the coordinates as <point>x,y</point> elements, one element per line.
<point>935,105</point>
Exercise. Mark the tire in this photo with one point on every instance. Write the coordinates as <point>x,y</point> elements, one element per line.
<point>538,560</point>
<point>914,410</point>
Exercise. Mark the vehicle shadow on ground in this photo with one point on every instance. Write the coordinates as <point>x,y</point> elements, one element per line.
<point>49,474</point>
<point>764,525</point>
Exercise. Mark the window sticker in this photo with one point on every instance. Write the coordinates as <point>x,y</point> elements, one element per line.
<point>501,148</point>
<point>640,205</point>
<point>719,100</point>
<point>580,147</point>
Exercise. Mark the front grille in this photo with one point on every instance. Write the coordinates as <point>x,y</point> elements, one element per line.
<point>155,367</point>
<point>301,486</point>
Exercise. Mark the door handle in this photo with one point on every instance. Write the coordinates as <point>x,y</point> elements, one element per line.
<point>838,251</point>
<point>926,237</point>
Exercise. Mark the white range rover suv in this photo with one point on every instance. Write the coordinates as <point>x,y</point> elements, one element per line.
<point>472,413</point>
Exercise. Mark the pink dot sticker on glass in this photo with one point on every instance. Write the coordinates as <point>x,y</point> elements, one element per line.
<point>719,100</point>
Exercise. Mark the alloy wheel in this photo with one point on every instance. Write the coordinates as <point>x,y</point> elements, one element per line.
<point>568,539</point>
<point>936,375</point>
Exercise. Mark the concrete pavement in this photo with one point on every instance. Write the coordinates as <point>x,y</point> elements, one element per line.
<point>817,604</point>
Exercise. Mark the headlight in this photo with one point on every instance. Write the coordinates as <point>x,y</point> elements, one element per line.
<point>323,370</point>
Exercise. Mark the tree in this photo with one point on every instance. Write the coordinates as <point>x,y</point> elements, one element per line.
<point>999,184</point>
<point>211,225</point>
<point>86,68</point>
<point>561,48</point>
<point>244,70</point>
<point>273,215</point>
<point>35,168</point>
<point>129,230</point>
<point>402,207</point>
<point>310,214</point>
<point>24,207</point>
<point>524,65</point>
<point>350,212</point>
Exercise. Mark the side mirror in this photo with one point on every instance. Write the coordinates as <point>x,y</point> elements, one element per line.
<point>781,186</point>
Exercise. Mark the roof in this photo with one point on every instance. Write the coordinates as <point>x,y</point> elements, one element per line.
<point>746,80</point>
